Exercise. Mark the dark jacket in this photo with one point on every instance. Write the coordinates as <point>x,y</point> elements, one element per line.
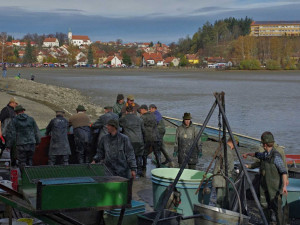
<point>133,127</point>
<point>117,153</point>
<point>58,129</point>
<point>101,123</point>
<point>151,131</point>
<point>183,142</point>
<point>6,115</point>
<point>7,112</point>
<point>160,124</point>
<point>22,130</point>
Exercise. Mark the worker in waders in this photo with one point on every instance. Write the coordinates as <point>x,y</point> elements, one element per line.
<point>116,151</point>
<point>133,127</point>
<point>82,134</point>
<point>219,182</point>
<point>185,136</point>
<point>23,132</point>
<point>273,178</point>
<point>151,137</point>
<point>59,150</point>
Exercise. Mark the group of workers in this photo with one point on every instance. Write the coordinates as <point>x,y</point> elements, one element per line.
<point>123,140</point>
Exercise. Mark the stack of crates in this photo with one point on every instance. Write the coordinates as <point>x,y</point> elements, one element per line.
<point>130,216</point>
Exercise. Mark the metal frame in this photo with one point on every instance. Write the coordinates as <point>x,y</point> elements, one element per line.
<point>218,102</point>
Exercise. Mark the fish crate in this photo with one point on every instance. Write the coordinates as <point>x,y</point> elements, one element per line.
<point>67,187</point>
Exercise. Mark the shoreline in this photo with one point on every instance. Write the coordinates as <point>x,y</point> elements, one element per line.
<point>51,96</point>
<point>148,69</point>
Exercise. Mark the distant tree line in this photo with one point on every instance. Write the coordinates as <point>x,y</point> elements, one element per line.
<point>208,39</point>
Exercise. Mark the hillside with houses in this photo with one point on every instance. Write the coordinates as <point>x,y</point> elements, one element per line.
<point>227,43</point>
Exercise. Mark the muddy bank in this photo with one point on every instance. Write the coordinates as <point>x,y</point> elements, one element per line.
<point>53,97</point>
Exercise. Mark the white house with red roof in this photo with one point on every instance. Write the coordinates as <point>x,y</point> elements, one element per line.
<point>78,40</point>
<point>152,59</point>
<point>50,42</point>
<point>115,61</point>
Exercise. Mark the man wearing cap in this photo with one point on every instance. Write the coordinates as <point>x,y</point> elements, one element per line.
<point>59,149</point>
<point>7,114</point>
<point>151,137</point>
<point>130,101</point>
<point>116,151</point>
<point>82,134</point>
<point>161,131</point>
<point>185,135</point>
<point>219,182</point>
<point>23,132</point>
<point>133,127</point>
<point>117,108</point>
<point>273,178</point>
<point>100,124</point>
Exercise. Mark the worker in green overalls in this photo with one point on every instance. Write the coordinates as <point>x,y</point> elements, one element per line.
<point>273,178</point>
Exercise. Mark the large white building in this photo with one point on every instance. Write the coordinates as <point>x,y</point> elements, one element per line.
<point>78,40</point>
<point>50,42</point>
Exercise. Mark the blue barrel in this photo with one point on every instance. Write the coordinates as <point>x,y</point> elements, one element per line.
<point>187,186</point>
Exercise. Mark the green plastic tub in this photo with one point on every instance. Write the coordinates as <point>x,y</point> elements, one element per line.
<point>187,186</point>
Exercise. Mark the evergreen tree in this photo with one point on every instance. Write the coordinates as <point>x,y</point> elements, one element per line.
<point>126,59</point>
<point>16,52</point>
<point>90,55</point>
<point>29,56</point>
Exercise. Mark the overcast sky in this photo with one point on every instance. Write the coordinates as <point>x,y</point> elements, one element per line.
<point>134,20</point>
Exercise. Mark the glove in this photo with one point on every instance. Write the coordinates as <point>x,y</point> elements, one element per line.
<point>175,154</point>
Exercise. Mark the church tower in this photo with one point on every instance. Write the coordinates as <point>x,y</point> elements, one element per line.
<point>70,35</point>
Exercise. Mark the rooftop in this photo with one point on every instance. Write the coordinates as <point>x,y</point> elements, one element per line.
<point>274,22</point>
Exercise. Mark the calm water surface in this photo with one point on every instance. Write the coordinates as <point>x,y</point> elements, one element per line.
<point>255,101</point>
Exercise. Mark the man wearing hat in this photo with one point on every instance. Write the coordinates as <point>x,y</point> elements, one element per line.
<point>185,135</point>
<point>100,125</point>
<point>23,132</point>
<point>116,151</point>
<point>117,108</point>
<point>7,114</point>
<point>82,134</point>
<point>130,101</point>
<point>133,127</point>
<point>273,178</point>
<point>59,149</point>
<point>151,136</point>
<point>219,182</point>
<point>161,131</point>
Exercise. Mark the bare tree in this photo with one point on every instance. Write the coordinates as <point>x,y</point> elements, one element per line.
<point>3,38</point>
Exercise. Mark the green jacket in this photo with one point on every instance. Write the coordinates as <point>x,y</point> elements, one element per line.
<point>23,130</point>
<point>183,141</point>
<point>151,131</point>
<point>117,109</point>
<point>219,181</point>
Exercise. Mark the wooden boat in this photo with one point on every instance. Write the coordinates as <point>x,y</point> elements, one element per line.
<point>211,132</point>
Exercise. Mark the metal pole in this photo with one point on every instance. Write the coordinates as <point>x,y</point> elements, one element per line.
<point>172,186</point>
<point>222,97</point>
<point>241,162</point>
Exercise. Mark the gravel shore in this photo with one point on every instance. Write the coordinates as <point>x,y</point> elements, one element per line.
<point>41,100</point>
